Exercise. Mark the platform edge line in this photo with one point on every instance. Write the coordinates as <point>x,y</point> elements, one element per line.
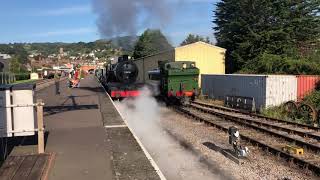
<point>153,163</point>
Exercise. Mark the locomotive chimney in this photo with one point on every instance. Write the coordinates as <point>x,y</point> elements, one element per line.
<point>123,58</point>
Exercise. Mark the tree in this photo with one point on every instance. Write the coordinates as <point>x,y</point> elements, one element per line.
<point>250,29</point>
<point>151,42</point>
<point>194,38</point>
<point>15,65</point>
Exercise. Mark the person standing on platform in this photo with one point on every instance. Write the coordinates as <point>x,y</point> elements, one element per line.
<point>57,83</point>
<point>77,77</point>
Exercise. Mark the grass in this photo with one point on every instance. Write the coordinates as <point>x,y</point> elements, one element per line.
<point>275,112</point>
<point>279,112</point>
<point>211,101</point>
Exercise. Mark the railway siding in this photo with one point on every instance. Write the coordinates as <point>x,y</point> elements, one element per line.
<point>309,161</point>
<point>296,124</point>
<point>242,121</point>
<point>302,134</point>
<point>302,130</point>
<point>278,143</point>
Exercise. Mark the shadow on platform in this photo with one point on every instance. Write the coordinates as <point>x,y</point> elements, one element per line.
<point>93,89</point>
<point>51,110</point>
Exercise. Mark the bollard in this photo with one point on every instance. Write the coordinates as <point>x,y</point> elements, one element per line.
<point>40,126</point>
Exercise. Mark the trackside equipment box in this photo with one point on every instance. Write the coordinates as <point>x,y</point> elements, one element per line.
<point>17,111</point>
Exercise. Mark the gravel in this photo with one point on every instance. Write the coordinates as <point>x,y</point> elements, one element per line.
<point>262,137</point>
<point>259,164</point>
<point>257,120</point>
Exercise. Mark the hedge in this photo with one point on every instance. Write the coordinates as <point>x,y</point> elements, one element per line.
<point>22,76</point>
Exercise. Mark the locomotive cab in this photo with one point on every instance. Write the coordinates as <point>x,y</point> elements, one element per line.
<point>178,81</point>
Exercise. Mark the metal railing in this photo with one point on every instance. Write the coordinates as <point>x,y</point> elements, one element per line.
<point>7,78</point>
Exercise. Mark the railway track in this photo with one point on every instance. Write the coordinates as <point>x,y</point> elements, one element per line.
<point>296,124</point>
<point>269,140</point>
<point>294,134</point>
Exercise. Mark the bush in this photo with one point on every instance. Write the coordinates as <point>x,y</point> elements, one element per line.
<point>22,76</point>
<point>313,99</point>
<point>275,112</point>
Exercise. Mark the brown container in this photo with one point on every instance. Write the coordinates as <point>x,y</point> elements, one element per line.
<point>306,84</point>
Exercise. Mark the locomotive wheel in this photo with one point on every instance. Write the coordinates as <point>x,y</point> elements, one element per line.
<point>308,113</point>
<point>291,109</point>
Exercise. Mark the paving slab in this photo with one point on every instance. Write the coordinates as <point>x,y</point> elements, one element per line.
<point>84,149</point>
<point>29,167</point>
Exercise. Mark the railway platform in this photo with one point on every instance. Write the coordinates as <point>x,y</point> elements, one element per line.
<point>88,137</point>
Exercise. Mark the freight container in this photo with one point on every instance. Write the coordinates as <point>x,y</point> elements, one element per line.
<point>267,90</point>
<point>306,84</point>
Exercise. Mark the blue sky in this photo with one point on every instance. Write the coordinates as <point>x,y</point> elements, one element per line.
<point>74,20</point>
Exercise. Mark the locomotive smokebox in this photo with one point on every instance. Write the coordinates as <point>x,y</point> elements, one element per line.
<point>126,71</point>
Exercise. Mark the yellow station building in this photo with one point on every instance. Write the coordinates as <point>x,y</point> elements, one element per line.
<point>209,59</point>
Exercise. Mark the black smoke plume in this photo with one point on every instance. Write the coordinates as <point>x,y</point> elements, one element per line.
<point>126,17</point>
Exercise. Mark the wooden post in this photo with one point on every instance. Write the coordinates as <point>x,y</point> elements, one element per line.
<point>40,126</point>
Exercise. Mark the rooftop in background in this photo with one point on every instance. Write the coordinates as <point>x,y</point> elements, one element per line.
<point>5,56</point>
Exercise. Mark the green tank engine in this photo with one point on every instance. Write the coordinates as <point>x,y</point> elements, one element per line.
<point>178,81</point>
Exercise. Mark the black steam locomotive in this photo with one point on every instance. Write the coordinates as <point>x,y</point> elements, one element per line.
<point>119,79</point>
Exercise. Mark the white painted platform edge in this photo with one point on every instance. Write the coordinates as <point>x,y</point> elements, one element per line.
<point>153,163</point>
<point>116,126</point>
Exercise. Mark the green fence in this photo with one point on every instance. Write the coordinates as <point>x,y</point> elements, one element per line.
<point>7,78</point>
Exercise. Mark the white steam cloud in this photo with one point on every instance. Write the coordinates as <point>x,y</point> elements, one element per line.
<point>143,116</point>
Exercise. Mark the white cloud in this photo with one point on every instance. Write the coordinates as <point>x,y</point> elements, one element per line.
<point>61,32</point>
<point>78,9</point>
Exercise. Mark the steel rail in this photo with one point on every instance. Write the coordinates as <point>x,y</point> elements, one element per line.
<point>258,116</point>
<point>243,121</point>
<point>278,153</point>
<point>277,127</point>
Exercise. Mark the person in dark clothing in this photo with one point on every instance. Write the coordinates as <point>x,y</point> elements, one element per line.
<point>57,83</point>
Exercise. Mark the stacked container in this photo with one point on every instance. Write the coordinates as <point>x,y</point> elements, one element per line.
<point>267,90</point>
<point>306,84</point>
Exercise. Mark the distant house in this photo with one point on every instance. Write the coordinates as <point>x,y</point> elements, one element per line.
<point>5,56</point>
<point>4,64</point>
